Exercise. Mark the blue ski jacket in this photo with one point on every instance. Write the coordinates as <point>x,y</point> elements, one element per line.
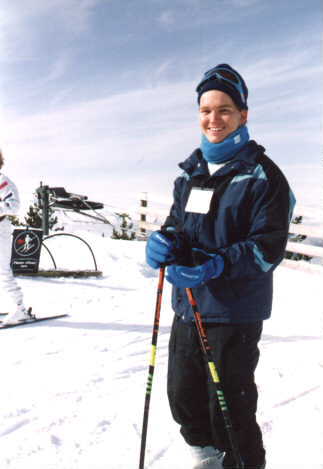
<point>246,222</point>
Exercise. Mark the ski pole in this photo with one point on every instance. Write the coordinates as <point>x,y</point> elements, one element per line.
<point>151,366</point>
<point>216,380</point>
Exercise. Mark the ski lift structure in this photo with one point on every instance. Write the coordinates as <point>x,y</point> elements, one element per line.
<point>57,198</point>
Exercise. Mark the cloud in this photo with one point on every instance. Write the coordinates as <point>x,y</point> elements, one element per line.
<point>75,13</point>
<point>112,146</point>
<point>167,18</point>
<point>192,15</point>
<point>282,68</point>
<point>142,132</point>
<point>162,71</point>
<point>58,67</point>
<point>161,120</point>
<point>127,122</point>
<point>102,93</point>
<point>30,18</point>
<point>245,3</point>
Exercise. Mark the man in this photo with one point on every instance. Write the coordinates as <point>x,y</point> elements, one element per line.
<point>226,233</point>
<point>9,205</point>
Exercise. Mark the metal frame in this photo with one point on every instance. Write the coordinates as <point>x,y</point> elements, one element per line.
<point>73,236</point>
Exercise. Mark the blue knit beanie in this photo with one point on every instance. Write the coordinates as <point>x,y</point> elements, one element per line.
<point>223,85</point>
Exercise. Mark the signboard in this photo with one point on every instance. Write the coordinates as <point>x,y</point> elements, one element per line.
<point>25,253</point>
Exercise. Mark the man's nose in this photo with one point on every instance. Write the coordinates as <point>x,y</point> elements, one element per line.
<point>214,116</point>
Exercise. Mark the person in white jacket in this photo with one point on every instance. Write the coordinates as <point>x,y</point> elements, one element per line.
<point>9,205</point>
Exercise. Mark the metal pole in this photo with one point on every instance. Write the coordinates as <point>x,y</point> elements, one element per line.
<point>216,380</point>
<point>151,367</point>
<point>44,193</point>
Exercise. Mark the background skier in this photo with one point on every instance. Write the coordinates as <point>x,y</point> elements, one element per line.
<point>9,205</point>
<point>225,234</point>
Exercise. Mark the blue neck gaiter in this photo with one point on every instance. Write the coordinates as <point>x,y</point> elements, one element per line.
<point>224,151</point>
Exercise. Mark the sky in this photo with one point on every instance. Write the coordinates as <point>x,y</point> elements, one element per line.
<point>99,96</point>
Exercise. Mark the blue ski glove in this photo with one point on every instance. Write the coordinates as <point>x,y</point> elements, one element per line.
<point>189,277</point>
<point>160,249</point>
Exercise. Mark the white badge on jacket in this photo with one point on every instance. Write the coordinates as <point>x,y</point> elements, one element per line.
<point>199,200</point>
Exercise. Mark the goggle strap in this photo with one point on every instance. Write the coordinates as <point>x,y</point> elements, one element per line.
<point>215,74</point>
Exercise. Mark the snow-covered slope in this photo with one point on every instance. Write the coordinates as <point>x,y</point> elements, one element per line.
<point>72,390</point>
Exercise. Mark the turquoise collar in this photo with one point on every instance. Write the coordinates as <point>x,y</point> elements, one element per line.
<point>224,151</point>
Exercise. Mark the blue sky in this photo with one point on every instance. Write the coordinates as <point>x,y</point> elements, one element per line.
<point>98,95</point>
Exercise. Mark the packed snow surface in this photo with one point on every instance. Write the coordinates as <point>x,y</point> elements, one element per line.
<point>72,389</point>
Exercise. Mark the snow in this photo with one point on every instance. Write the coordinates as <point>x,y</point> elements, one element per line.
<point>73,389</point>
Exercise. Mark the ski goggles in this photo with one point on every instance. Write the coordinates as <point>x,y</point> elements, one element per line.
<point>228,76</point>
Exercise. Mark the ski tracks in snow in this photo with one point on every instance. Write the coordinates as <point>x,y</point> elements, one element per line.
<point>73,397</point>
<point>14,427</point>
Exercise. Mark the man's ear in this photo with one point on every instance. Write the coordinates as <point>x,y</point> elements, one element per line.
<point>244,116</point>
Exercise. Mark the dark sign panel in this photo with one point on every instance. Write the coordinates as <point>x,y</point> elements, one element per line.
<point>25,254</point>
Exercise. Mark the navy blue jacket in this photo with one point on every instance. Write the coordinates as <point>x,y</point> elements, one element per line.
<point>247,222</point>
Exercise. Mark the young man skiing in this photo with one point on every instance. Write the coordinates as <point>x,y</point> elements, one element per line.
<point>9,205</point>
<point>225,234</point>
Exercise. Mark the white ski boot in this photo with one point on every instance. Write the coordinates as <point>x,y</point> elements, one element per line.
<point>207,457</point>
<point>20,315</point>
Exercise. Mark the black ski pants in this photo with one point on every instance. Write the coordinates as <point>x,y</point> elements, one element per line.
<point>192,394</point>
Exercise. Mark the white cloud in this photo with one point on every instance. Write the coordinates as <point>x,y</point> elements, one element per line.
<point>282,68</point>
<point>58,67</point>
<point>161,71</point>
<point>134,121</point>
<point>245,3</point>
<point>167,18</point>
<point>74,16</point>
<point>145,131</point>
<point>76,12</point>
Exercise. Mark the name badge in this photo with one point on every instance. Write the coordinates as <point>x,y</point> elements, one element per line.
<point>199,200</point>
